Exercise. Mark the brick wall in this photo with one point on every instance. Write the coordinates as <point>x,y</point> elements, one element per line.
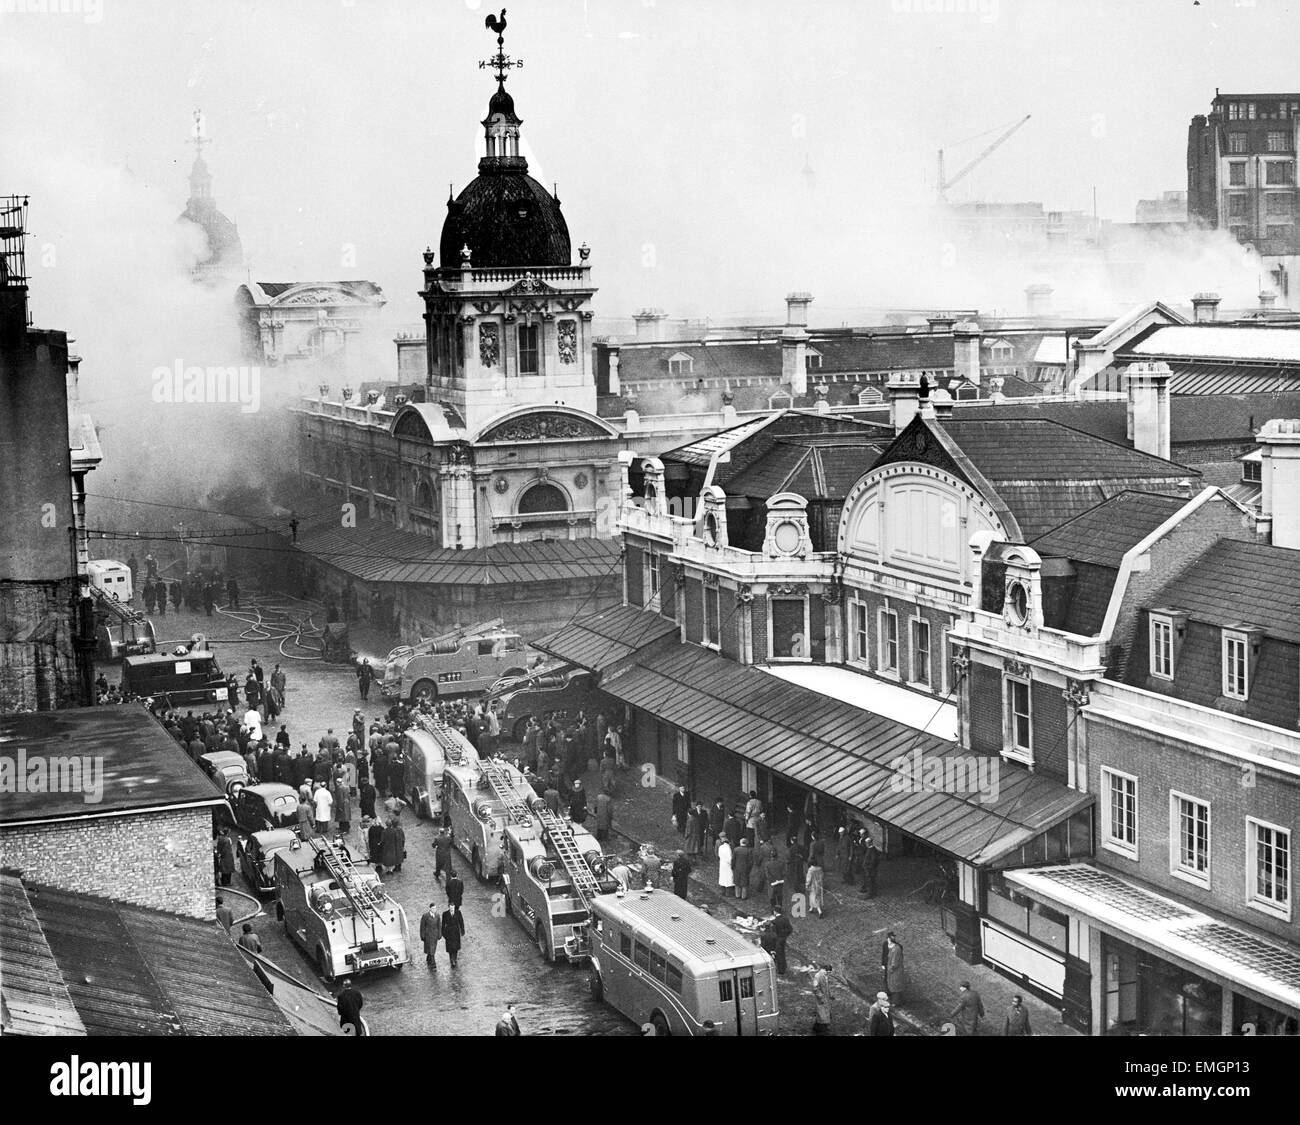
<point>939,622</point>
<point>161,860</point>
<point>758,616</point>
<point>634,564</point>
<point>730,623</point>
<point>694,610</point>
<point>1163,763</point>
<point>985,709</point>
<point>1050,718</point>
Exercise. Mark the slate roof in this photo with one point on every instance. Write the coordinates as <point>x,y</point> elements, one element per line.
<point>374,551</point>
<point>603,639</point>
<point>838,749</point>
<point>816,470</point>
<point>133,971</point>
<point>32,991</point>
<point>1102,535</point>
<point>1237,582</point>
<point>143,766</point>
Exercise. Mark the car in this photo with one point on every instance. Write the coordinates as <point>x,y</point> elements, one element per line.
<point>257,857</point>
<point>260,808</point>
<point>227,770</point>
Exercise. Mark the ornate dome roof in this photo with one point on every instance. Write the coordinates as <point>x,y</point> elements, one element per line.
<point>503,104</point>
<point>506,218</point>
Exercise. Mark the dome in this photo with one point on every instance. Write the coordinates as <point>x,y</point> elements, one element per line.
<point>224,247</point>
<point>506,218</point>
<point>503,104</point>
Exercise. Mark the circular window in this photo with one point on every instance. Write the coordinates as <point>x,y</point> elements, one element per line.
<point>787,536</point>
<point>1018,602</point>
<point>711,530</point>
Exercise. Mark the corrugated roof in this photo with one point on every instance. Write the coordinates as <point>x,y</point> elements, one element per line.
<point>1237,582</point>
<point>142,765</point>
<point>378,552</point>
<point>603,639</point>
<point>701,935</point>
<point>838,749</point>
<point>36,1000</point>
<point>1229,379</point>
<point>1102,535</point>
<point>132,971</point>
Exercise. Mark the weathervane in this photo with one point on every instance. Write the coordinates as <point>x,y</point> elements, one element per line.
<point>500,62</point>
<point>199,132</point>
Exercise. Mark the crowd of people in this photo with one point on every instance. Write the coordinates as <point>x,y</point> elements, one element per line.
<point>200,588</point>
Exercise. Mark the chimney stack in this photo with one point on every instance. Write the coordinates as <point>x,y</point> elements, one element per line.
<point>794,344</point>
<point>796,309</point>
<point>1148,407</point>
<point>1205,308</point>
<point>966,351</point>
<point>1038,300</point>
<point>1266,303</point>
<point>649,324</point>
<point>903,391</point>
<point>942,403</point>
<point>1280,474</point>
<point>941,324</point>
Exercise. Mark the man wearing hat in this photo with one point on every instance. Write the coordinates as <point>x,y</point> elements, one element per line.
<point>508,1024</point>
<point>349,1005</point>
<point>881,1020</point>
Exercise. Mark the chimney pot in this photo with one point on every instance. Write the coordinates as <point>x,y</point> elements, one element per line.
<point>1205,308</point>
<point>1148,407</point>
<point>1280,475</point>
<point>796,309</point>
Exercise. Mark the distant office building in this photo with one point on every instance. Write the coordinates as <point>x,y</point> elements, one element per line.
<point>1241,175</point>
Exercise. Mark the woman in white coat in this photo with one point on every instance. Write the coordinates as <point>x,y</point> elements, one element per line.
<point>726,881</point>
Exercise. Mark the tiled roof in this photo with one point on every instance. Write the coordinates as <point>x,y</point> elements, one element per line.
<point>602,639</point>
<point>142,765</point>
<point>1103,534</point>
<point>821,470</point>
<point>838,749</point>
<point>1238,582</point>
<point>378,552</point>
<point>133,971</point>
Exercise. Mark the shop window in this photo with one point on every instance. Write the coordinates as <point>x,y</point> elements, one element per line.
<point>1279,173</point>
<point>1269,857</point>
<point>653,573</point>
<point>1237,173</point>
<point>1119,812</point>
<point>712,617</point>
<point>1189,836</point>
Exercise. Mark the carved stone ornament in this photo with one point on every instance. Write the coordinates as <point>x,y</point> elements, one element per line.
<point>710,579</point>
<point>789,590</point>
<point>961,660</point>
<point>568,340</point>
<point>1076,693</point>
<point>1015,668</point>
<point>580,480</point>
<point>832,594</point>
<point>744,595</point>
<point>679,576</point>
<point>535,427</point>
<point>501,485</point>
<point>489,345</point>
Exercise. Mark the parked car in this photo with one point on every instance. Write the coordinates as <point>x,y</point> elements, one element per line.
<point>260,808</point>
<point>257,857</point>
<point>227,770</point>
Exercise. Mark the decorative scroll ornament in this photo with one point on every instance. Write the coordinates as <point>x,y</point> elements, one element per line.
<point>744,595</point>
<point>501,485</point>
<point>489,345</point>
<point>710,579</point>
<point>789,590</point>
<point>1014,667</point>
<point>580,480</point>
<point>832,594</point>
<point>1076,693</point>
<point>568,340</point>
<point>960,660</point>
<point>534,427</point>
<point>679,575</point>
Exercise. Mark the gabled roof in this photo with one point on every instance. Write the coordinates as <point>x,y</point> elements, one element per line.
<point>129,970</point>
<point>1126,323</point>
<point>816,469</point>
<point>1102,535</point>
<point>1236,583</point>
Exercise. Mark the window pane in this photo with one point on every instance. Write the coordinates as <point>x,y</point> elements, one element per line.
<point>724,991</point>
<point>674,977</point>
<point>642,956</point>
<point>788,639</point>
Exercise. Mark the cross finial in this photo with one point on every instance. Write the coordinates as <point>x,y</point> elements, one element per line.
<point>500,62</point>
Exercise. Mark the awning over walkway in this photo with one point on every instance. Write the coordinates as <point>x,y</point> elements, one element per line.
<point>604,639</point>
<point>851,755</point>
<point>1219,949</point>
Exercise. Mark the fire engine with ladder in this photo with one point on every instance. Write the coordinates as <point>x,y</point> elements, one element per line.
<point>462,662</point>
<point>338,911</point>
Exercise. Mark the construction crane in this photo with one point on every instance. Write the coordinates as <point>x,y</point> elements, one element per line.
<point>945,183</point>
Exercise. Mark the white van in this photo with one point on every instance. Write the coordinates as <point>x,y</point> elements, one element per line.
<point>112,577</point>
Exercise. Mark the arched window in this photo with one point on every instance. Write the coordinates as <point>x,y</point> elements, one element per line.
<point>542,498</point>
<point>423,495</point>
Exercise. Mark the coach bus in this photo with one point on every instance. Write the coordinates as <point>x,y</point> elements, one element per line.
<point>659,960</point>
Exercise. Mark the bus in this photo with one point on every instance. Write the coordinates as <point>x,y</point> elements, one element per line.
<point>425,770</point>
<point>659,960</point>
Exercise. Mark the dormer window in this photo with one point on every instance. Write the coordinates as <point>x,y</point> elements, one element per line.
<point>1236,665</point>
<point>681,364</point>
<point>1162,647</point>
<point>812,360</point>
<point>1252,468</point>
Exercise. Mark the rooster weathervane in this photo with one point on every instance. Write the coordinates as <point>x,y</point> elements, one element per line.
<point>500,62</point>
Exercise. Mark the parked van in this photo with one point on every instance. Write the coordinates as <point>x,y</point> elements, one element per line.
<point>112,577</point>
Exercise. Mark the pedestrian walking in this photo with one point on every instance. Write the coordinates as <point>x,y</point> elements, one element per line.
<point>891,964</point>
<point>225,849</point>
<point>578,803</point>
<point>343,805</point>
<point>753,809</point>
<point>681,806</point>
<point>250,940</point>
<point>870,861</point>
<point>225,915</point>
<point>726,879</point>
<point>777,933</point>
<point>375,841</point>
<point>430,934</point>
<point>681,873</point>
<point>607,780</point>
<point>713,828</point>
<point>455,889</point>
<point>742,867</point>
<point>392,849</point>
<point>815,882</point>
<point>821,990</point>
<point>366,799</point>
<point>774,869</point>
<point>453,932</point>
<point>880,1019</point>
<point>794,868</point>
<point>349,1004</point>
<point>441,854</point>
<point>365,675</point>
<point>969,1011</point>
<point>1017,1022</point>
<point>306,825</point>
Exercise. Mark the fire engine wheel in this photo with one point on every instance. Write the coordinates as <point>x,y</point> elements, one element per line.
<point>424,686</point>
<point>323,963</point>
<point>543,946</point>
<point>597,986</point>
<point>660,1022</point>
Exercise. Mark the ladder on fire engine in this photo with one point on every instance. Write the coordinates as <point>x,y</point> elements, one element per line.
<point>456,747</point>
<point>344,872</point>
<point>561,837</point>
<point>507,793</point>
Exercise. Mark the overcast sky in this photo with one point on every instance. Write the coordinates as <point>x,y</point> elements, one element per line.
<point>677,132</point>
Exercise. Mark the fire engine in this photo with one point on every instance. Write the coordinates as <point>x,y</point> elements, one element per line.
<point>338,911</point>
<point>463,662</point>
<point>120,630</point>
<point>553,691</point>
